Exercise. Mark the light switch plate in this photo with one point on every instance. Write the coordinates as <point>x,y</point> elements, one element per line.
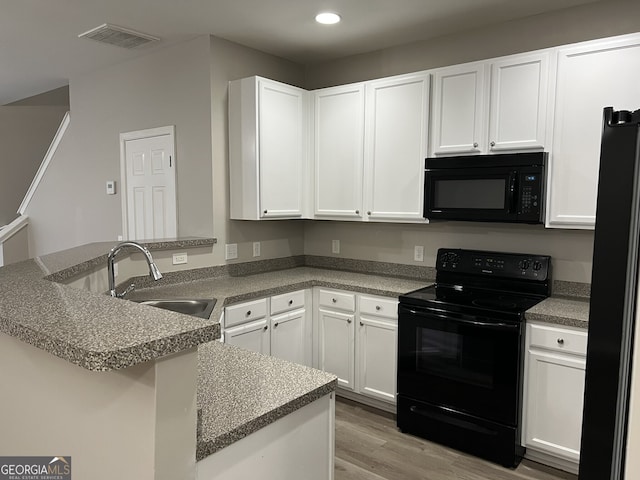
<point>179,258</point>
<point>256,249</point>
<point>231,251</point>
<point>111,187</point>
<point>418,253</point>
<point>335,246</point>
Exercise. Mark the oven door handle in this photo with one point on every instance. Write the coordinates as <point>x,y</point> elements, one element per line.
<point>476,323</point>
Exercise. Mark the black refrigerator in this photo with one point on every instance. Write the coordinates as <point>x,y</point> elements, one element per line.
<point>612,313</point>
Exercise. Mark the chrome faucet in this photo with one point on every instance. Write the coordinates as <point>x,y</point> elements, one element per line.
<point>153,269</point>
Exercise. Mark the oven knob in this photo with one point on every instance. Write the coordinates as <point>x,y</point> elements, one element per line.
<point>537,266</point>
<point>524,264</point>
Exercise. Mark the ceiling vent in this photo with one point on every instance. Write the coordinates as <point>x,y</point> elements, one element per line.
<point>118,36</point>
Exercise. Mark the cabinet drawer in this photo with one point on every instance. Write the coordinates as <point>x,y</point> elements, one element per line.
<point>558,339</point>
<point>339,300</point>
<point>245,312</point>
<point>287,301</point>
<point>381,307</point>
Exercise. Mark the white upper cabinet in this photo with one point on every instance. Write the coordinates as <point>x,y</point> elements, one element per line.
<point>338,151</point>
<point>590,76</point>
<point>268,146</point>
<point>519,98</point>
<point>395,147</point>
<point>458,110</point>
<point>487,107</point>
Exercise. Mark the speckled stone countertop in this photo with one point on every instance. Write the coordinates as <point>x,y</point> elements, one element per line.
<point>570,312</point>
<point>229,290</point>
<point>92,330</point>
<point>240,392</point>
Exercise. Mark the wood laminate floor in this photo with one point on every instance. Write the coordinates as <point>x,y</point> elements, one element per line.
<point>370,447</point>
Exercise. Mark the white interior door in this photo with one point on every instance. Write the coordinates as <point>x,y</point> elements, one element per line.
<point>150,187</point>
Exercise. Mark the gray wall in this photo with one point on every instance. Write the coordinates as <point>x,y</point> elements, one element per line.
<point>230,61</point>
<point>167,87</point>
<point>25,136</point>
<point>586,22</point>
<point>57,96</point>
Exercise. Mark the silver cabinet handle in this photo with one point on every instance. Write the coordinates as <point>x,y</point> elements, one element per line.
<point>378,308</point>
<point>266,328</point>
<point>561,341</point>
<point>248,313</point>
<point>475,145</point>
<point>493,144</point>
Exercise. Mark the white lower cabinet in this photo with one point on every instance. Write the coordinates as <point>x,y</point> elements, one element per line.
<point>281,328</point>
<point>337,346</point>
<point>252,336</point>
<point>357,338</point>
<point>554,393</point>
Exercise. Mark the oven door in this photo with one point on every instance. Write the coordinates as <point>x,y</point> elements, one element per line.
<point>465,363</point>
<point>476,194</point>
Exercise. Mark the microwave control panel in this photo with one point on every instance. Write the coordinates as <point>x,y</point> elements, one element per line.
<point>530,201</point>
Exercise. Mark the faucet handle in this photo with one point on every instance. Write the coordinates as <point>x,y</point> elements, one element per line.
<point>129,289</point>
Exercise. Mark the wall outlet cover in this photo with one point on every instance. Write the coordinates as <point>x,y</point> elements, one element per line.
<point>179,258</point>
<point>335,246</point>
<point>231,251</point>
<point>256,249</point>
<point>418,253</point>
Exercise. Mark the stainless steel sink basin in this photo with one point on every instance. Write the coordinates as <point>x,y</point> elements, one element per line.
<point>196,307</point>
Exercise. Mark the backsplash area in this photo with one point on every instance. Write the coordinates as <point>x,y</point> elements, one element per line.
<point>571,250</point>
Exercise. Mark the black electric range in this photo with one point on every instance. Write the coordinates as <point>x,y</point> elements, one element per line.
<point>460,351</point>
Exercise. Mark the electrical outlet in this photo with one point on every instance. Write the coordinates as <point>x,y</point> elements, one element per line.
<point>335,246</point>
<point>231,251</point>
<point>256,249</point>
<point>418,253</point>
<point>179,258</point>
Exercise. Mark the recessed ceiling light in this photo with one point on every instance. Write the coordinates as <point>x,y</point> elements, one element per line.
<point>327,18</point>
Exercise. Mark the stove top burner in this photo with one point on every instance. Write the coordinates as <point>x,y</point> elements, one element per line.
<point>474,300</point>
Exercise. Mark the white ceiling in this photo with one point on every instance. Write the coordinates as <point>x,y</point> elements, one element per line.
<point>39,48</point>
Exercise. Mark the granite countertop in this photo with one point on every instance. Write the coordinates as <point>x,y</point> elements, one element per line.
<point>92,330</point>
<point>240,392</point>
<point>566,311</point>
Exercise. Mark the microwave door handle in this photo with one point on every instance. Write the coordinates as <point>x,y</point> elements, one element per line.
<point>512,191</point>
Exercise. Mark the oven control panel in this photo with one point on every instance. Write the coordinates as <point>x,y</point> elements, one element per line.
<point>511,265</point>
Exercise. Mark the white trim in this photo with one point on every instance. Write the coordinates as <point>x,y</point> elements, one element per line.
<point>45,163</point>
<point>136,135</point>
<point>14,227</point>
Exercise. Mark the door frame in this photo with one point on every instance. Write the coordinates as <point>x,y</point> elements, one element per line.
<point>138,135</point>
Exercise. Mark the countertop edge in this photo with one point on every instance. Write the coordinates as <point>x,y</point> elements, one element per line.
<point>206,448</point>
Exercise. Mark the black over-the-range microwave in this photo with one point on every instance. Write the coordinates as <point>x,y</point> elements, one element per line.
<point>486,188</point>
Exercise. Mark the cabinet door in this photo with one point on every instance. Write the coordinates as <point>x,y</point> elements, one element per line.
<point>287,336</point>
<point>459,110</point>
<point>396,146</point>
<point>519,102</point>
<point>555,392</point>
<point>377,340</point>
<point>339,157</point>
<point>252,336</point>
<point>282,148</point>
<point>336,345</point>
<point>590,77</point>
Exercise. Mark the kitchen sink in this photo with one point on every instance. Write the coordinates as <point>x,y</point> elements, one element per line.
<point>196,307</point>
